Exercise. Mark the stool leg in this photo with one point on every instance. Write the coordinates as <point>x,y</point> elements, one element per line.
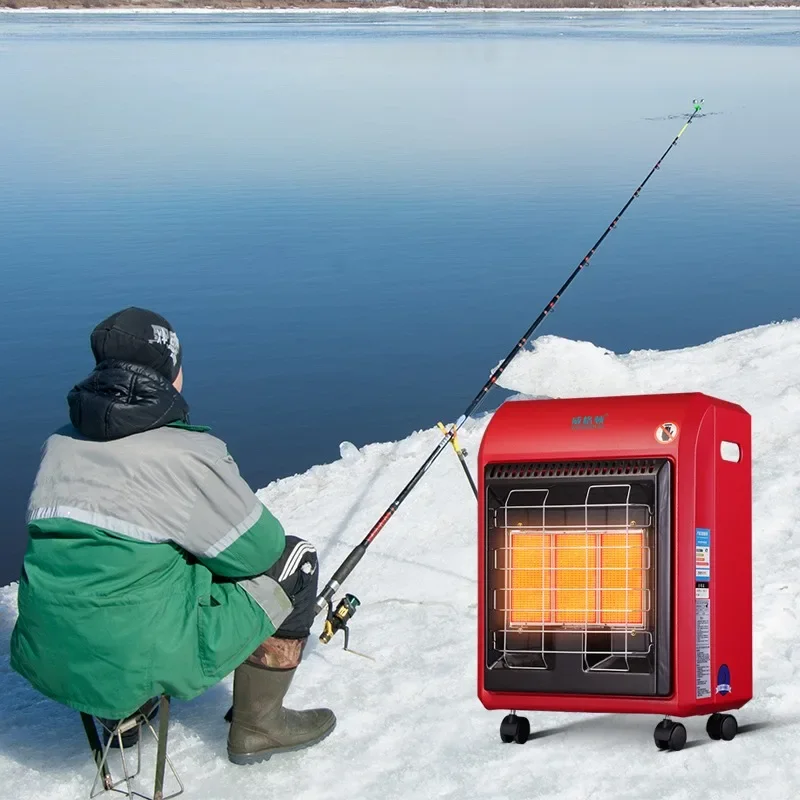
<point>97,750</point>
<point>161,757</point>
<point>118,734</point>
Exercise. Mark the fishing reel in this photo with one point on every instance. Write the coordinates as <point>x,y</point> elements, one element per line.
<point>337,619</point>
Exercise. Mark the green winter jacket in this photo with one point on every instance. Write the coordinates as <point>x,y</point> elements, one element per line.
<point>142,570</point>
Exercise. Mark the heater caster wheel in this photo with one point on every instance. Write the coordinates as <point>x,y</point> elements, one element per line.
<point>514,729</point>
<point>722,726</point>
<point>669,735</point>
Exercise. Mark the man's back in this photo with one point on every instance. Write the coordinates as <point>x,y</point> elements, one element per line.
<point>143,486</point>
<point>114,605</point>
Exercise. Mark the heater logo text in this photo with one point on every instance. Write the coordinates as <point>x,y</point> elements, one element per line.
<point>586,423</point>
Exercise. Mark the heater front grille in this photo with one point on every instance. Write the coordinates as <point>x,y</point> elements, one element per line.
<point>577,592</point>
<point>577,568</point>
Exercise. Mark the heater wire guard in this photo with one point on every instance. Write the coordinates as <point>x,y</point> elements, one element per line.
<point>582,569</point>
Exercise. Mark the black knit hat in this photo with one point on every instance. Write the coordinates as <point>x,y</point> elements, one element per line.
<point>139,337</point>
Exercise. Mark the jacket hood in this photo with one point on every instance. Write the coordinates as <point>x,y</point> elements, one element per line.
<point>119,399</point>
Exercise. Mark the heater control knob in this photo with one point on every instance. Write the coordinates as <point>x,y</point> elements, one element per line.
<point>514,729</point>
<point>669,735</point>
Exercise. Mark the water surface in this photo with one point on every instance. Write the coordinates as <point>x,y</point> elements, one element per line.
<point>350,219</point>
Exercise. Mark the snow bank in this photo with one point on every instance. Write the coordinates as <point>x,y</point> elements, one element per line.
<point>410,725</point>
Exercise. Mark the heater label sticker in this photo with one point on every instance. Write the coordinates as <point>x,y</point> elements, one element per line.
<point>702,555</point>
<point>703,622</point>
<point>724,680</point>
<point>666,433</point>
<point>702,595</point>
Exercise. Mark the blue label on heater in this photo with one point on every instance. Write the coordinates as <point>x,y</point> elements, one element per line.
<point>702,554</point>
<point>723,680</point>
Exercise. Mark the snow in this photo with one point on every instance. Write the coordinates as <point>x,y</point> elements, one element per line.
<point>410,725</point>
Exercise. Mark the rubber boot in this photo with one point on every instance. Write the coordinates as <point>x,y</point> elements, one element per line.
<point>261,726</point>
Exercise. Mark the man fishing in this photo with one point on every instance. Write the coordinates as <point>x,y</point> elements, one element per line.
<point>152,567</point>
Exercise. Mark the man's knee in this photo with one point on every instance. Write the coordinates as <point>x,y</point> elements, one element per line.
<point>297,572</point>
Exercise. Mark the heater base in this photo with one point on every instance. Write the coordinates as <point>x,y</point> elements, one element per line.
<point>668,735</point>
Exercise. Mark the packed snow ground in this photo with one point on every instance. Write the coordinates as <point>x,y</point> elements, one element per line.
<point>410,725</point>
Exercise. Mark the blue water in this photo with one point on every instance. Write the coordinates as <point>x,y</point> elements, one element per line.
<point>350,219</point>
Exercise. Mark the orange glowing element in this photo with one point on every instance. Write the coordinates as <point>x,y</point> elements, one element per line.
<point>530,578</point>
<point>622,567</point>
<point>577,578</point>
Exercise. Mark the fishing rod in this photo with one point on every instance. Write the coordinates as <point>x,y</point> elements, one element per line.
<point>337,619</point>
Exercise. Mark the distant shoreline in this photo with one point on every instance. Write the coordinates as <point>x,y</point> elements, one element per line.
<point>394,5</point>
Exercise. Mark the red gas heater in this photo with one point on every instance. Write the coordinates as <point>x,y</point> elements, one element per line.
<point>615,561</point>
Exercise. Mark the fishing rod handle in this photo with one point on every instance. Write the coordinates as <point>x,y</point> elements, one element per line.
<point>339,577</point>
